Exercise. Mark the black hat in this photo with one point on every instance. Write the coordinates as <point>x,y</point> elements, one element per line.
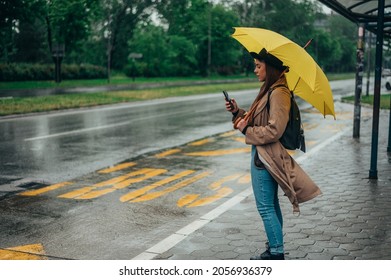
<point>270,59</point>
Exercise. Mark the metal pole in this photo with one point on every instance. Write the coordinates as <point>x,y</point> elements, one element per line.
<point>359,75</point>
<point>389,131</point>
<point>209,40</point>
<point>368,50</point>
<point>376,95</point>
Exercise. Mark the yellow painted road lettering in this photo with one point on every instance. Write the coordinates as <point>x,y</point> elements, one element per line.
<point>193,200</point>
<point>184,183</point>
<point>117,167</point>
<point>25,252</point>
<point>216,185</point>
<point>219,152</point>
<point>229,133</point>
<point>201,142</point>
<point>246,179</point>
<point>45,189</point>
<point>240,139</point>
<point>114,184</point>
<point>144,190</point>
<point>220,193</point>
<point>187,199</point>
<point>167,153</point>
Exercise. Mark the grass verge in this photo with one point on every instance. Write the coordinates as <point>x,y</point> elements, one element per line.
<point>24,105</point>
<point>118,79</point>
<point>384,100</point>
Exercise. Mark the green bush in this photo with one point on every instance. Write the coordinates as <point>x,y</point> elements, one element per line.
<point>41,72</point>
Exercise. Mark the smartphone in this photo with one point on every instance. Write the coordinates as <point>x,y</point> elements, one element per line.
<point>226,96</point>
<point>228,99</point>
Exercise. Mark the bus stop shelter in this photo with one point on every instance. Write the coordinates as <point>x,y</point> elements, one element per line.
<point>374,16</point>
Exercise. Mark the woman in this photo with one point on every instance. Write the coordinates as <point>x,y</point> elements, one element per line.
<point>271,165</point>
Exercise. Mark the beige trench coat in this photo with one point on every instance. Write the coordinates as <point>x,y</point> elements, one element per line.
<point>264,133</point>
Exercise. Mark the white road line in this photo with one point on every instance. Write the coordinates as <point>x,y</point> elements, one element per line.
<point>78,131</point>
<point>181,234</point>
<point>175,238</point>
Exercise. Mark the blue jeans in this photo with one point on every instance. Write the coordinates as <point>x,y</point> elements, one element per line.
<point>265,190</point>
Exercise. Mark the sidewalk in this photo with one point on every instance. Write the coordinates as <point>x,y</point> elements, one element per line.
<point>350,221</point>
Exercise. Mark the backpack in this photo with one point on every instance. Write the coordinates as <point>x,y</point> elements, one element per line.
<point>293,136</point>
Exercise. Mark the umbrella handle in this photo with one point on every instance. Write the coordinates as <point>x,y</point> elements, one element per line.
<point>308,43</point>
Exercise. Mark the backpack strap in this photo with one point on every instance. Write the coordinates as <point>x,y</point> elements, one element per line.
<point>269,92</point>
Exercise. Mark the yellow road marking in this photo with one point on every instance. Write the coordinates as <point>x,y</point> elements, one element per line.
<point>45,189</point>
<point>116,183</point>
<point>117,167</point>
<point>229,133</point>
<point>219,152</point>
<point>201,142</point>
<point>240,139</point>
<point>216,185</point>
<point>175,187</point>
<point>167,153</point>
<point>112,181</point>
<point>137,193</point>
<point>224,191</point>
<point>190,199</point>
<point>245,179</point>
<point>146,175</point>
<point>187,199</point>
<point>26,252</point>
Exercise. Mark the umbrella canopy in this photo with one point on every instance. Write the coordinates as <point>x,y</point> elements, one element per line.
<point>305,77</point>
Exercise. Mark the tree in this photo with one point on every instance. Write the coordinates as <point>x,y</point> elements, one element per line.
<point>14,16</point>
<point>119,22</point>
<point>152,43</point>
<point>207,27</point>
<point>69,23</point>
<point>225,51</point>
<point>345,33</point>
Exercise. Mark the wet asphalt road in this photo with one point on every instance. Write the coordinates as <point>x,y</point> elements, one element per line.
<point>64,145</point>
<point>61,146</point>
<point>116,180</point>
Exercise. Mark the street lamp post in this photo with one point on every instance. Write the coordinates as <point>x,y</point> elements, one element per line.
<point>133,57</point>
<point>58,51</point>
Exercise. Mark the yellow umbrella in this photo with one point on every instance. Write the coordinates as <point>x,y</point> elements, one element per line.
<point>305,77</point>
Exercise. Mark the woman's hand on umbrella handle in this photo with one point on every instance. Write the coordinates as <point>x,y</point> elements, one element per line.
<point>231,106</point>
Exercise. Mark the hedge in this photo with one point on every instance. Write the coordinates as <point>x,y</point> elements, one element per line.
<point>30,72</point>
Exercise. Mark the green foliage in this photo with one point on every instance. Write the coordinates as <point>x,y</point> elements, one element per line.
<point>176,37</point>
<point>29,72</point>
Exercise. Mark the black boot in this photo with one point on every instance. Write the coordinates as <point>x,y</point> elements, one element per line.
<point>269,256</point>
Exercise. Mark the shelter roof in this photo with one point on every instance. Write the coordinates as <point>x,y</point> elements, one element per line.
<point>362,11</point>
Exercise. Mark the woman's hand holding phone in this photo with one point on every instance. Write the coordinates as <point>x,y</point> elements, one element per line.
<point>230,103</point>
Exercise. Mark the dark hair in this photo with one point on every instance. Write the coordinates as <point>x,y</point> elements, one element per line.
<point>272,75</point>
